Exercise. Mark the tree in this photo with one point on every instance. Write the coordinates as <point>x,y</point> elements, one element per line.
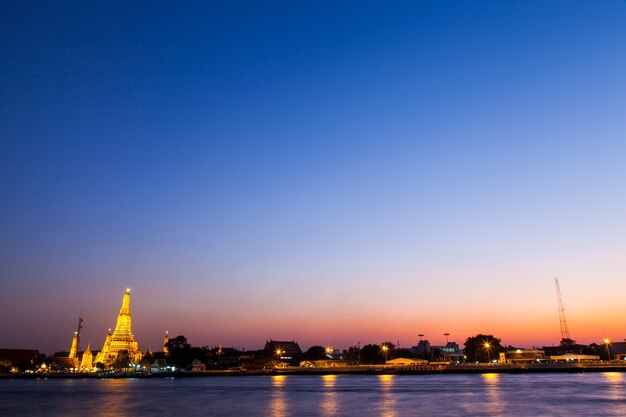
<point>315,353</point>
<point>121,361</point>
<point>178,343</point>
<point>352,354</point>
<point>482,348</point>
<point>148,359</point>
<point>371,354</point>
<point>181,353</point>
<point>567,342</point>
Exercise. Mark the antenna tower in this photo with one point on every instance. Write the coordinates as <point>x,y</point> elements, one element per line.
<point>562,320</point>
<point>80,326</point>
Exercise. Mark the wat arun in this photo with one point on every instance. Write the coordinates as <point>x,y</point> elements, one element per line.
<point>121,339</point>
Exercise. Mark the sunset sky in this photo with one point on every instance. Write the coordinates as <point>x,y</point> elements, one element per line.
<point>329,173</point>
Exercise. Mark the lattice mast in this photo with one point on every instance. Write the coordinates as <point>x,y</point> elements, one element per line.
<point>80,327</point>
<point>562,320</point>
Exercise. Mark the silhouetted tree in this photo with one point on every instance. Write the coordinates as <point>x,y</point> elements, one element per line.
<point>315,353</point>
<point>566,342</point>
<point>372,354</point>
<point>351,354</point>
<point>148,359</point>
<point>178,342</point>
<point>121,361</point>
<point>182,353</point>
<point>402,353</point>
<point>476,351</point>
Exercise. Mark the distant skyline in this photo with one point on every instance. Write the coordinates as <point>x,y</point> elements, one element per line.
<point>330,173</point>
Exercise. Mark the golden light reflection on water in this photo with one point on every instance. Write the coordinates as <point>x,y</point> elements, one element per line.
<point>278,380</point>
<point>329,406</point>
<point>278,404</point>
<point>615,390</point>
<point>494,403</point>
<point>388,402</point>
<point>113,399</point>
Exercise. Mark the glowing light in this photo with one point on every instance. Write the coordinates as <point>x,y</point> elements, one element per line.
<point>127,290</point>
<point>490,377</point>
<point>607,341</point>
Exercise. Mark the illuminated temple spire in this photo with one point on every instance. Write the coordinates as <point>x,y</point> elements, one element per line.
<point>76,339</point>
<point>123,326</point>
<point>86,362</point>
<point>122,338</point>
<point>74,348</point>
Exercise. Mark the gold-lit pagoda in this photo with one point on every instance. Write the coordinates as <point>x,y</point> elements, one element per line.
<point>76,340</point>
<point>122,338</point>
<point>74,348</point>
<point>86,362</point>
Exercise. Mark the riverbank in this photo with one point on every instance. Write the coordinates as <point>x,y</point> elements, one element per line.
<point>568,367</point>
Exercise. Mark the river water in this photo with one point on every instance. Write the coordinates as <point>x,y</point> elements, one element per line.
<point>583,394</point>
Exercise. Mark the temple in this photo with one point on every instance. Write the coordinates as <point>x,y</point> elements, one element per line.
<point>86,363</point>
<point>74,348</point>
<point>122,339</point>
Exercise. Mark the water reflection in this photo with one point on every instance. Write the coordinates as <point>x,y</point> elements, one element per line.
<point>494,403</point>
<point>278,404</point>
<point>329,406</point>
<point>388,403</point>
<point>114,398</point>
<point>615,381</point>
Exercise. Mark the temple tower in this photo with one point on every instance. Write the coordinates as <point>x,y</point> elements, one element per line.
<point>87,359</point>
<point>74,348</point>
<point>166,340</point>
<point>122,338</point>
<point>76,339</point>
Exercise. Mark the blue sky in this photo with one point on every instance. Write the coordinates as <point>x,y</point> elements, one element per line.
<point>243,166</point>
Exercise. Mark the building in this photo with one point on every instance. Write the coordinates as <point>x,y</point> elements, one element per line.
<point>324,363</point>
<point>559,350</point>
<point>74,348</point>
<point>160,365</point>
<point>198,366</point>
<point>287,352</point>
<point>574,357</point>
<point>122,338</point>
<point>406,362</point>
<point>423,349</point>
<point>448,353</point>
<point>86,363</point>
<point>166,341</point>
<point>522,355</point>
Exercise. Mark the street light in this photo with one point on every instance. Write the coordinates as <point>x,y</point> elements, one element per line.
<point>487,346</point>
<point>279,353</point>
<point>385,348</point>
<point>446,335</point>
<point>329,350</point>
<point>607,342</point>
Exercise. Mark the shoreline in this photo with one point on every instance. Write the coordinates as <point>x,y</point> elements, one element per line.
<point>351,370</point>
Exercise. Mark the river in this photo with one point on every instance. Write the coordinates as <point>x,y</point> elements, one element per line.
<point>575,394</point>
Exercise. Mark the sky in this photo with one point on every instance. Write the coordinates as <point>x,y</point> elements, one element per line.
<point>312,171</point>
